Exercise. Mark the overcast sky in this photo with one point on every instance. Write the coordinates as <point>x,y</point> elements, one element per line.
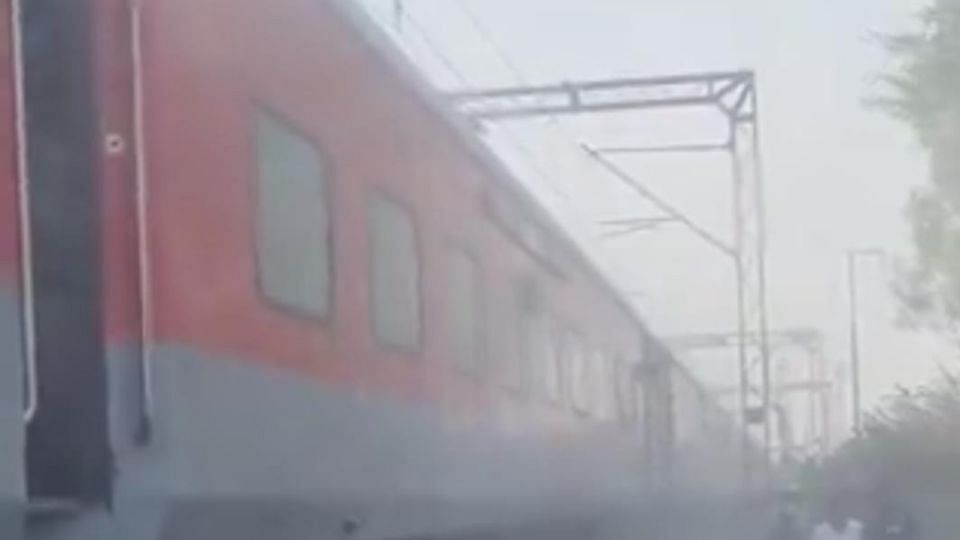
<point>838,174</point>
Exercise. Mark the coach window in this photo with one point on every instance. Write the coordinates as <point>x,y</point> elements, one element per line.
<point>624,397</point>
<point>464,309</point>
<point>639,403</point>
<point>520,370</point>
<point>293,219</point>
<point>553,362</point>
<point>603,390</point>
<point>611,377</point>
<point>394,274</point>
<point>541,352</point>
<point>579,374</point>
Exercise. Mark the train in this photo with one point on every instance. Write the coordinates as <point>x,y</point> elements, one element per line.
<point>259,280</point>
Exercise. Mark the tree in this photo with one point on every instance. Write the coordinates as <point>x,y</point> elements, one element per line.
<point>911,443</point>
<point>910,449</point>
<point>924,92</point>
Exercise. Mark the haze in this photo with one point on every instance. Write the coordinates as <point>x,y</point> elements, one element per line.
<point>837,173</point>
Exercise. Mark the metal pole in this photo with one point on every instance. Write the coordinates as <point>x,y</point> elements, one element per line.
<point>669,149</point>
<point>25,221</point>
<point>814,375</point>
<point>825,397</point>
<point>744,380</point>
<point>144,277</point>
<point>760,200</point>
<point>662,205</point>
<point>854,339</point>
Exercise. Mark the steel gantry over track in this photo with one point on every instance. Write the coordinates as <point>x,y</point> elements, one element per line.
<point>815,382</point>
<point>734,95</point>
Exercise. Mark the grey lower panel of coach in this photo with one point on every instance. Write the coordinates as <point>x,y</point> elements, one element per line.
<point>241,448</point>
<point>246,451</point>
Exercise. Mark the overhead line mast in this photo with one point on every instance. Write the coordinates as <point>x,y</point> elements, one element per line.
<point>734,95</point>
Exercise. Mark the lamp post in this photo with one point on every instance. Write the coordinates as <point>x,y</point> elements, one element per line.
<point>852,256</point>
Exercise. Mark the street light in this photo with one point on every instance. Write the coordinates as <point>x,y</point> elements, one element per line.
<point>852,255</point>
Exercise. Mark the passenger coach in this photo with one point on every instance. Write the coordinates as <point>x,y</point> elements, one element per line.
<point>257,281</point>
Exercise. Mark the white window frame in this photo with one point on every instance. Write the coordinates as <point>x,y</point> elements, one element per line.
<point>380,199</point>
<point>322,307</point>
<point>478,353</point>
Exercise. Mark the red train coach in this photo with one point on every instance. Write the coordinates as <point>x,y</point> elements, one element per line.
<point>255,278</point>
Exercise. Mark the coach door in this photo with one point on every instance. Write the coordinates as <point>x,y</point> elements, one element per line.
<point>67,455</point>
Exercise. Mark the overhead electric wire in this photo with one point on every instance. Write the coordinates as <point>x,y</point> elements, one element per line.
<point>486,35</point>
<point>457,73</point>
<point>513,67</point>
<point>520,78</point>
<point>436,50</point>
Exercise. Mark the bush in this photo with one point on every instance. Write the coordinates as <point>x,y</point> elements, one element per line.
<point>910,445</point>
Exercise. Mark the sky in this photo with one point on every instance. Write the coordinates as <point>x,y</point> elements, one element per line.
<point>837,173</point>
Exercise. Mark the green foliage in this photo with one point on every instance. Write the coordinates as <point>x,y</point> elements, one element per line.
<point>910,447</point>
<point>908,453</point>
<point>923,91</point>
<point>912,442</point>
